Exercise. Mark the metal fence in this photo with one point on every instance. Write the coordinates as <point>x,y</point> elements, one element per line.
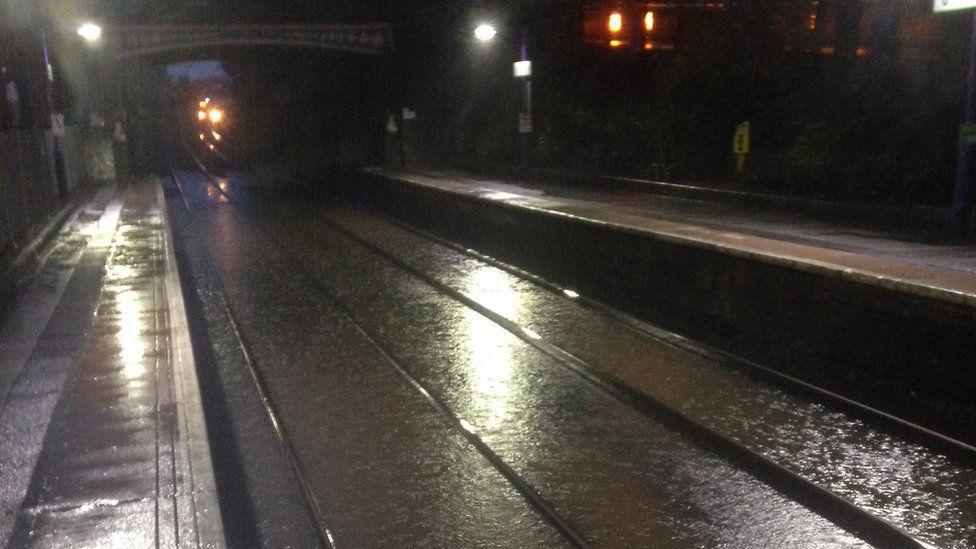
<point>29,190</point>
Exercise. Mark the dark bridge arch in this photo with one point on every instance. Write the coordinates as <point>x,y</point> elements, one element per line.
<point>133,41</point>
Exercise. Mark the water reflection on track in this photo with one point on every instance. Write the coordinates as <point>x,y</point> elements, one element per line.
<point>610,434</point>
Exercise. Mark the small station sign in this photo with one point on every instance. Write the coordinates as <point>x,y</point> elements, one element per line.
<point>953,5</point>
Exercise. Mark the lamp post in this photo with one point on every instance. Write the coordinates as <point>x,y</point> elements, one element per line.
<point>962,198</point>
<point>55,119</point>
<point>522,69</point>
<point>962,203</point>
<point>91,33</point>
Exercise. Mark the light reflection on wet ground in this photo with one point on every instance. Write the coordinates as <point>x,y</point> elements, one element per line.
<point>387,466</point>
<point>105,477</point>
<point>620,478</point>
<point>491,353</point>
<point>218,194</point>
<point>921,491</point>
<point>36,350</point>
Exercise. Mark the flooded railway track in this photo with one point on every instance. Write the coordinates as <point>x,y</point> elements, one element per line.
<point>853,517</point>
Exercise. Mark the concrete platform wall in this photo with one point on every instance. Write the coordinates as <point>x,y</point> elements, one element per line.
<point>903,353</point>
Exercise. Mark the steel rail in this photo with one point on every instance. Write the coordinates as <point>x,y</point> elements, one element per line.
<point>314,506</point>
<point>933,440</point>
<point>832,507</point>
<point>543,506</point>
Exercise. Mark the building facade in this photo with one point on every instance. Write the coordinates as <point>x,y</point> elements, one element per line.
<point>822,27</point>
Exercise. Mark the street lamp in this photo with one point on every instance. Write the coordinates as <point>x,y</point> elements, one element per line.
<point>90,32</point>
<point>485,32</point>
<point>523,72</point>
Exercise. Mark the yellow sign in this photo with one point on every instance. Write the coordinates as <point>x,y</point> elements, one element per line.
<point>740,143</point>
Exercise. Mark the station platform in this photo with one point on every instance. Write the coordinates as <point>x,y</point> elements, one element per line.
<point>907,259</point>
<point>870,315</point>
<point>104,441</point>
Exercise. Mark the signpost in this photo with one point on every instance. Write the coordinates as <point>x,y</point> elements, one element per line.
<point>58,127</point>
<point>523,71</point>
<point>525,123</point>
<point>740,146</point>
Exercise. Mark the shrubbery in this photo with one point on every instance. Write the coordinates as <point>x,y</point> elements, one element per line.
<point>879,128</point>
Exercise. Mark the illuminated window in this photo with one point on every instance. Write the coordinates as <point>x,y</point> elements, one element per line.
<point>616,22</point>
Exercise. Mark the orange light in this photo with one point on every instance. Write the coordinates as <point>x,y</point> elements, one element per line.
<point>648,46</point>
<point>203,137</point>
<point>201,115</point>
<point>649,21</point>
<point>616,43</point>
<point>217,136</point>
<point>216,116</point>
<point>616,22</point>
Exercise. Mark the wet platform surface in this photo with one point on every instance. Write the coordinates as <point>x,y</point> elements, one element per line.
<point>876,257</point>
<point>435,399</point>
<point>102,435</point>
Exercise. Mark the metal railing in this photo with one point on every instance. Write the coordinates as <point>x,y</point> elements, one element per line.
<point>29,190</point>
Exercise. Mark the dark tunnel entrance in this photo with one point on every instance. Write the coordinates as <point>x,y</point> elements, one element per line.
<point>279,108</point>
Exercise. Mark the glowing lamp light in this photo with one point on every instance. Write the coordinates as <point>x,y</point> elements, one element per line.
<point>90,32</point>
<point>649,21</point>
<point>616,22</point>
<point>217,136</point>
<point>485,32</point>
<point>201,115</point>
<point>616,43</point>
<point>216,116</point>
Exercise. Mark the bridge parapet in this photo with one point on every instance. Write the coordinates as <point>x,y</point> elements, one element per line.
<point>130,41</point>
